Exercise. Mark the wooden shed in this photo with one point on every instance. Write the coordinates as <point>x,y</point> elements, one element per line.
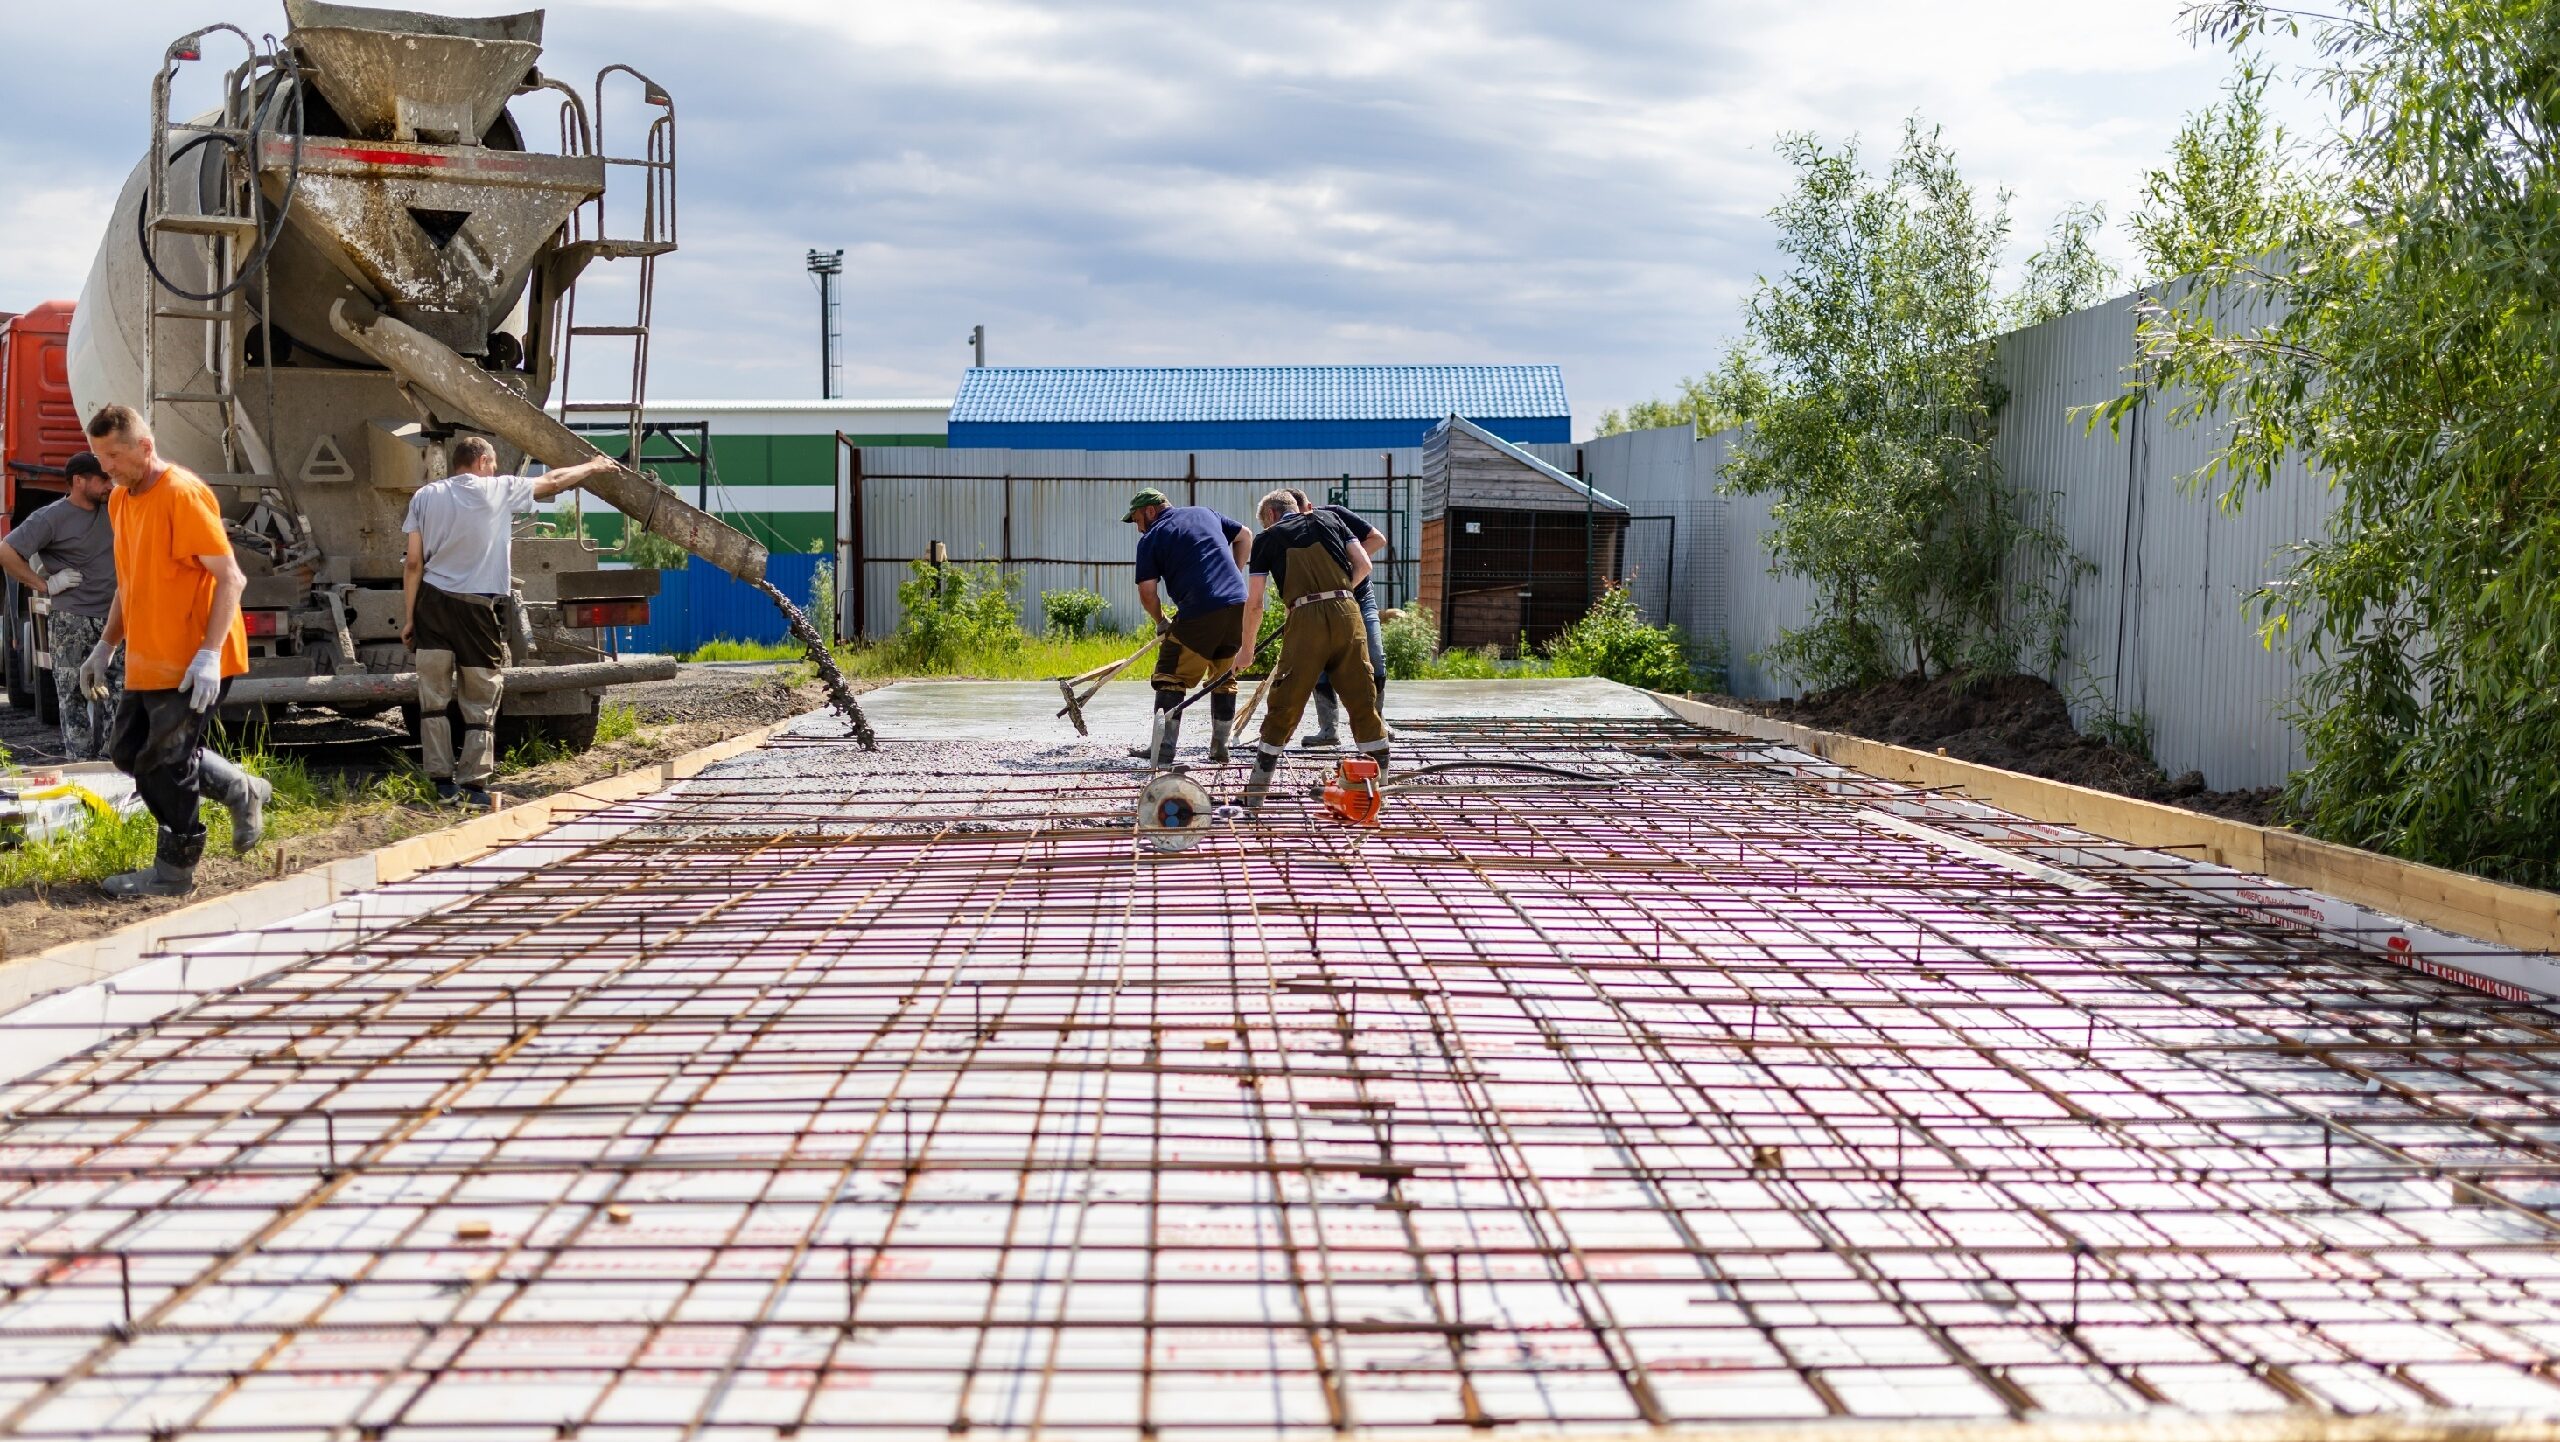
<point>1511,547</point>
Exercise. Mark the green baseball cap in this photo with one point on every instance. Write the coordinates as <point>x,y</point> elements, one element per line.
<point>1143,499</point>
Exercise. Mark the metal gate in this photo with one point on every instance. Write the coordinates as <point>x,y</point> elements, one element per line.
<point>1646,563</point>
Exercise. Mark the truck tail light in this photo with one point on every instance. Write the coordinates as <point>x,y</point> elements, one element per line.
<point>263,623</point>
<point>605,613</point>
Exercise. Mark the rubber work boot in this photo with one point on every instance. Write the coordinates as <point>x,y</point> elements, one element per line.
<point>1328,717</point>
<point>1168,733</point>
<point>1222,725</point>
<point>160,878</point>
<point>249,812</point>
<point>1266,765</point>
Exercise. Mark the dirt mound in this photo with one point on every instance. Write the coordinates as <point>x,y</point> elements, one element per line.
<point>2017,723</point>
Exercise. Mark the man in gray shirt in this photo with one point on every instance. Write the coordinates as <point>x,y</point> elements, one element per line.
<point>458,570</point>
<point>71,540</point>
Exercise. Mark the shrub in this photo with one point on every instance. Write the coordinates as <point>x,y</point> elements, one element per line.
<point>1266,641</point>
<point>649,549</point>
<point>1070,612</point>
<point>1613,640</point>
<point>953,611</point>
<point>1468,663</point>
<point>822,601</point>
<point>1410,638</point>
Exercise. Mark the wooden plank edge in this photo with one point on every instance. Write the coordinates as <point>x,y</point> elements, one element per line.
<point>75,963</point>
<point>2492,911</point>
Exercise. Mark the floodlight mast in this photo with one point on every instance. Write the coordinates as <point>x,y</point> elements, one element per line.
<point>824,267</point>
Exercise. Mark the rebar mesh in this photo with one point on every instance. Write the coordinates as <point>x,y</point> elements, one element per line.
<point>911,1095</point>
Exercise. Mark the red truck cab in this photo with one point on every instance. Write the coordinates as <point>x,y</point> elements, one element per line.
<point>39,431</point>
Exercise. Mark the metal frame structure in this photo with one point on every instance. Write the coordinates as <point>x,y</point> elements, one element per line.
<point>910,1095</point>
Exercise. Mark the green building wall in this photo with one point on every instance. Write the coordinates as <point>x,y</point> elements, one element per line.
<point>751,469</point>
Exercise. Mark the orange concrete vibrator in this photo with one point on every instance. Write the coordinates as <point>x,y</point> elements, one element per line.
<point>1355,793</point>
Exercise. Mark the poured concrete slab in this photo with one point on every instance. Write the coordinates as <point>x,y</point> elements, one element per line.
<point>861,1095</point>
<point>1028,710</point>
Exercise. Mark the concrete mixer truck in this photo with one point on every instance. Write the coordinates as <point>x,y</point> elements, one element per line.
<point>312,288</point>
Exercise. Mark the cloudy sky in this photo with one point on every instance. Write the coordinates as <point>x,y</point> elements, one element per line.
<point>1207,181</point>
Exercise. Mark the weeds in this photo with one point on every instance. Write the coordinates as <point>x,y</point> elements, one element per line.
<point>725,650</point>
<point>535,751</point>
<point>2124,730</point>
<point>617,722</point>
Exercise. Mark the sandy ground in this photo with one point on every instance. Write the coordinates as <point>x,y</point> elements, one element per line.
<point>700,706</point>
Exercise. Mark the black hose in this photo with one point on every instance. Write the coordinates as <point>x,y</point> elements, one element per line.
<point>267,235</point>
<point>1401,777</point>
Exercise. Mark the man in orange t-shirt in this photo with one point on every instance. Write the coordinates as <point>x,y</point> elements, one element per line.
<point>177,614</point>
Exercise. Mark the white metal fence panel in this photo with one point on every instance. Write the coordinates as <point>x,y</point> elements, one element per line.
<point>1052,518</point>
<point>2161,625</point>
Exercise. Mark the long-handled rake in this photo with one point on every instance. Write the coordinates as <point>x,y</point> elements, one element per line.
<point>1100,676</point>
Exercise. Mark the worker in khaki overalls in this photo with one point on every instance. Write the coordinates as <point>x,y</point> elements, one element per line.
<point>1317,566</point>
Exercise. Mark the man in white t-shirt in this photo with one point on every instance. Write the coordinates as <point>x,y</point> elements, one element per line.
<point>460,566</point>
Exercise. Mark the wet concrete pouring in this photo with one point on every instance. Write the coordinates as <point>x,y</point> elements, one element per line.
<point>839,1093</point>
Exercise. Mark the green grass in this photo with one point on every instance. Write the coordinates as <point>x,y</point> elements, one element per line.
<point>1034,658</point>
<point>746,651</point>
<point>302,804</point>
<point>535,751</point>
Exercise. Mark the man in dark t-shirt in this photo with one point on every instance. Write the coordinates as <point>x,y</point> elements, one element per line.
<point>1327,734</point>
<point>1193,557</point>
<point>76,545</point>
<point>1312,561</point>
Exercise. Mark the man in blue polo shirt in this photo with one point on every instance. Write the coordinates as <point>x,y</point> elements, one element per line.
<point>1194,557</point>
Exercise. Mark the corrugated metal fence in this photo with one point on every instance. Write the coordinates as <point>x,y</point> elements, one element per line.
<point>2160,625</point>
<point>1053,517</point>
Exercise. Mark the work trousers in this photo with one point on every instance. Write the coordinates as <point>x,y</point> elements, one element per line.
<point>461,653</point>
<point>1196,644</point>
<point>69,639</point>
<point>1322,640</point>
<point>1368,598</point>
<point>158,740</point>
<point>450,697</point>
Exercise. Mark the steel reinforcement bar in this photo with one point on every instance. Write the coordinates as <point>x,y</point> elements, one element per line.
<point>910,1094</point>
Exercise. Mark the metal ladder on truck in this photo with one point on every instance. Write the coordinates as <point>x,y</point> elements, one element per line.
<point>235,230</point>
<point>656,165</point>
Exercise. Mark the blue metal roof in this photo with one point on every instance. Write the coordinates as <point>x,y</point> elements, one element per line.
<point>1158,394</point>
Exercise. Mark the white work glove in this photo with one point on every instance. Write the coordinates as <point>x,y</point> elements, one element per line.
<point>93,672</point>
<point>203,684</point>
<point>61,581</point>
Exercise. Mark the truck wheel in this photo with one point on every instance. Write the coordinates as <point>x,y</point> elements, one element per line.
<point>48,699</point>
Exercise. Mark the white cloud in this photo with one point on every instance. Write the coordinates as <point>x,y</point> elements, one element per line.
<point>1223,180</point>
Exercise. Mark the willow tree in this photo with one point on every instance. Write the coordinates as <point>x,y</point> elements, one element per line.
<point>2393,320</point>
<point>1873,437</point>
